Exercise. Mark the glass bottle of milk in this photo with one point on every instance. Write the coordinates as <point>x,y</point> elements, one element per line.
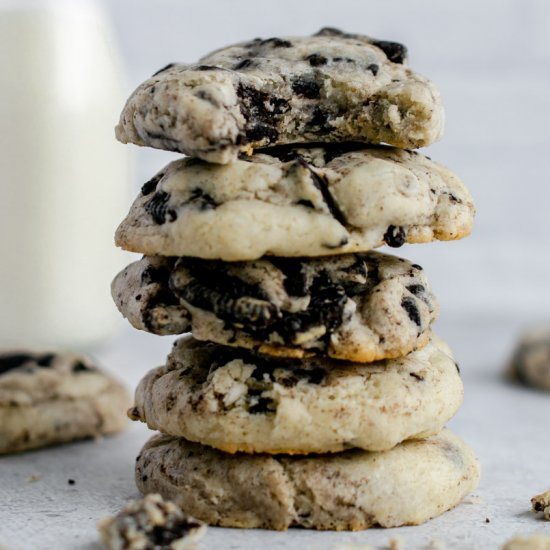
<point>63,177</point>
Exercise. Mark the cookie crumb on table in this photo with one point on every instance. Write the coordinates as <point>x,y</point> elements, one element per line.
<point>535,541</point>
<point>151,522</point>
<point>541,503</point>
<point>34,477</point>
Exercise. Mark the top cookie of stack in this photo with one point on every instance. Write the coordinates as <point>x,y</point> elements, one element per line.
<point>323,198</point>
<point>330,87</point>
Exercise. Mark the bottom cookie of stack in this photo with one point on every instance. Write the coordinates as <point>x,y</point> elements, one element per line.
<point>352,490</point>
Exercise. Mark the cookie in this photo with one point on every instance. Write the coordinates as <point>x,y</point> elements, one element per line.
<point>407,485</point>
<point>330,87</point>
<point>357,307</point>
<point>236,400</point>
<point>297,202</point>
<point>49,398</point>
<point>530,362</point>
<point>151,523</point>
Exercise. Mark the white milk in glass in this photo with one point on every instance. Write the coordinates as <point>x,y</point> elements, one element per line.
<point>63,177</point>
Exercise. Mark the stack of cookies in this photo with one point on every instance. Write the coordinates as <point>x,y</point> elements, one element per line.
<point>312,391</point>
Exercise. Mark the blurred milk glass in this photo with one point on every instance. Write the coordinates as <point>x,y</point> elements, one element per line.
<point>63,177</point>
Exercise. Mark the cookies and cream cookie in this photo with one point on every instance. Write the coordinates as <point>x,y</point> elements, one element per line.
<point>297,202</point>
<point>236,400</point>
<point>530,363</point>
<point>330,87</point>
<point>48,398</point>
<point>353,490</point>
<point>358,307</point>
<point>151,523</point>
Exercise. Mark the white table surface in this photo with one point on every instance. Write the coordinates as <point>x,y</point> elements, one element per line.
<point>505,424</point>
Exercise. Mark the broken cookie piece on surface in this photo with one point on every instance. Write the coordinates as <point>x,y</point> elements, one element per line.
<point>333,86</point>
<point>541,503</point>
<point>151,523</point>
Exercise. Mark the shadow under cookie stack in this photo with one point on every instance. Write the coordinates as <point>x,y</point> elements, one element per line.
<point>312,391</point>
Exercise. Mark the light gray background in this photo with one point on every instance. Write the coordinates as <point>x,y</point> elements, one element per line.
<point>491,61</point>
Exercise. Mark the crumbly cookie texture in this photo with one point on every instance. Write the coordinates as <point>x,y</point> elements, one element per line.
<point>331,87</point>
<point>357,307</point>
<point>528,542</point>
<point>236,400</point>
<point>541,503</point>
<point>151,524</point>
<point>354,490</point>
<point>297,202</point>
<point>530,362</point>
<point>49,398</point>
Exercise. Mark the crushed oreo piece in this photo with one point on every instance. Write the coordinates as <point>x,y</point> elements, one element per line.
<point>276,43</point>
<point>316,59</point>
<point>243,64</point>
<point>322,185</point>
<point>165,68</point>
<point>409,305</point>
<point>203,200</point>
<point>149,186</point>
<point>395,236</point>
<point>395,52</point>
<point>373,68</point>
<point>9,361</point>
<point>157,208</point>
<point>305,87</point>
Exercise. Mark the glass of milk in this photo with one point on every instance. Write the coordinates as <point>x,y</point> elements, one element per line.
<point>63,177</point>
